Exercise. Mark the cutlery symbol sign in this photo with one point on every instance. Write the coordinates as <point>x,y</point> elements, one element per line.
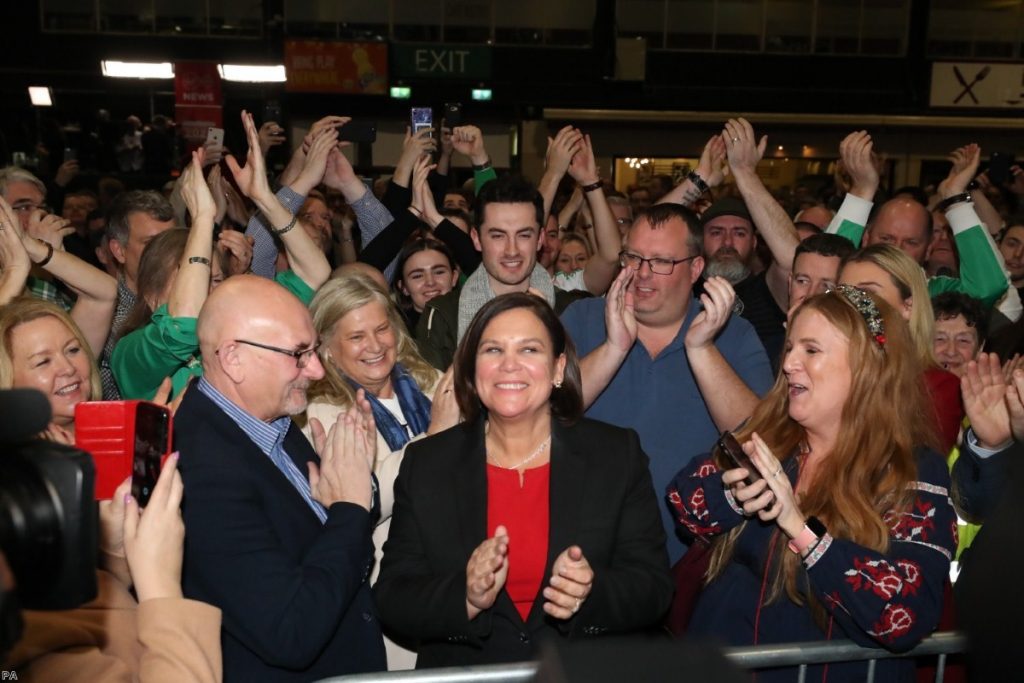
<point>967,91</point>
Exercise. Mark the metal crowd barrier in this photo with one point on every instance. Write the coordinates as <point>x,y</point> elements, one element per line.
<point>750,658</point>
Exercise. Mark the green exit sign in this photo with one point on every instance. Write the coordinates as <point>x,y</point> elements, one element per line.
<point>431,60</point>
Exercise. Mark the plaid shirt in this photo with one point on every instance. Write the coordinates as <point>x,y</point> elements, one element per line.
<point>48,291</point>
<point>125,303</point>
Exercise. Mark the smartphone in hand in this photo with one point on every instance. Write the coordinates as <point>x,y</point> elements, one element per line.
<point>731,449</point>
<point>124,438</point>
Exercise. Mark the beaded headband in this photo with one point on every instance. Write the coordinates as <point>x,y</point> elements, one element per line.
<point>865,305</point>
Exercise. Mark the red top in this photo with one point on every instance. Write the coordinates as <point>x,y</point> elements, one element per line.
<point>944,391</point>
<point>523,510</point>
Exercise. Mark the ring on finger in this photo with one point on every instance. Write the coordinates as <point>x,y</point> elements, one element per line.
<point>777,472</point>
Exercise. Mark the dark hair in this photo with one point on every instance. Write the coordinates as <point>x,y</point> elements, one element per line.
<point>158,263</point>
<point>465,194</point>
<point>566,401</point>
<point>457,213</point>
<point>949,305</point>
<point>149,202</point>
<point>415,246</point>
<point>824,244</point>
<point>509,190</point>
<point>657,215</point>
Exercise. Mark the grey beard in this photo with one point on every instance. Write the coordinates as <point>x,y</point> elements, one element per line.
<point>731,269</point>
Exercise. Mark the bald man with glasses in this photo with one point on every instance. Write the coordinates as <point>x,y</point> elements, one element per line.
<point>278,537</point>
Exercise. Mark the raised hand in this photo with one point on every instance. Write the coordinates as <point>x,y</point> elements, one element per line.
<point>339,171</point>
<point>220,201</point>
<point>583,167</point>
<point>422,197</point>
<point>620,313</point>
<point>238,248</point>
<point>315,164</point>
<point>469,141</point>
<point>49,228</point>
<point>13,256</point>
<point>416,146</point>
<point>718,299</point>
<point>984,393</point>
<point>742,146</point>
<point>195,191</point>
<point>965,162</point>
<point>271,134</point>
<point>486,572</point>
<point>711,166</point>
<point>331,121</point>
<point>572,579</point>
<point>562,148</point>
<point>251,178</point>
<point>858,158</point>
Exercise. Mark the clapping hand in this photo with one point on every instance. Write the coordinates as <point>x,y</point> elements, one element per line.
<point>347,454</point>
<point>718,299</point>
<point>572,579</point>
<point>486,572</point>
<point>620,312</point>
<point>860,161</point>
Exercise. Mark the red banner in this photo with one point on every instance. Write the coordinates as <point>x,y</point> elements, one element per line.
<point>198,104</point>
<point>336,67</point>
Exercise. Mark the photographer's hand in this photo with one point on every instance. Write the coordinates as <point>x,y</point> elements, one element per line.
<point>154,538</point>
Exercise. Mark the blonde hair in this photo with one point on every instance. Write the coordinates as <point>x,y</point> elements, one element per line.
<point>337,298</point>
<point>909,279</point>
<point>25,309</point>
<point>868,472</point>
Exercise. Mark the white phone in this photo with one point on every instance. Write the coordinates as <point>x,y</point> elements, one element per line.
<point>215,136</point>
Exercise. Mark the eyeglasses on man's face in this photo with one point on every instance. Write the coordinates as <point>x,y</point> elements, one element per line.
<point>301,356</point>
<point>658,266</point>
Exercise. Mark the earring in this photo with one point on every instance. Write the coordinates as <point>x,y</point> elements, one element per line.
<point>557,384</point>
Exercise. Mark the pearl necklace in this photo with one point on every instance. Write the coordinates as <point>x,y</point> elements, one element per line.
<point>540,449</point>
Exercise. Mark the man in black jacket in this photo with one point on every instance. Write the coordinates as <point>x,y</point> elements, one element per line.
<point>286,558</point>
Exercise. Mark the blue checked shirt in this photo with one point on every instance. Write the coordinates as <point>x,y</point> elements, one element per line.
<point>269,437</point>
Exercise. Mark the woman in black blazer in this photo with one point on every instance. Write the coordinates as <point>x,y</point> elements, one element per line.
<point>526,521</point>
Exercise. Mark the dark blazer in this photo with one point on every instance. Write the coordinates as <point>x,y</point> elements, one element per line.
<point>978,483</point>
<point>293,591</point>
<point>602,499</point>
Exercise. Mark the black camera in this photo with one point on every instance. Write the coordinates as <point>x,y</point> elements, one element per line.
<point>48,516</point>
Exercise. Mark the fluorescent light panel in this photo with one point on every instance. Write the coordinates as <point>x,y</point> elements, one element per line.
<point>41,96</point>
<point>251,73</point>
<point>114,69</point>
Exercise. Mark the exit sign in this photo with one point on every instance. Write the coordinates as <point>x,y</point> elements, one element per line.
<point>431,60</point>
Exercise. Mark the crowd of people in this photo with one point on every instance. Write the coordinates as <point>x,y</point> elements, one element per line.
<point>422,424</point>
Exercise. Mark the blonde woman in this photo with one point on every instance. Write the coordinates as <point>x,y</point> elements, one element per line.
<point>895,277</point>
<point>364,345</point>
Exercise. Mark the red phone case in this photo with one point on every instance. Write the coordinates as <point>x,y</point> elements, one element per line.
<point>106,430</point>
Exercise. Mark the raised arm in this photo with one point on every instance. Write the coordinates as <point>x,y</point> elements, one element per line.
<point>14,260</point>
<point>598,368</point>
<point>982,274</point>
<point>602,267</point>
<point>96,290</point>
<point>305,257</point>
<point>728,398</point>
<point>192,283</point>
<point>857,157</point>
<point>561,150</point>
<point>708,174</point>
<point>298,160</point>
<point>773,223</point>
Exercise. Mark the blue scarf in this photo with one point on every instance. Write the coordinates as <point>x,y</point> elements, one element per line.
<point>413,402</point>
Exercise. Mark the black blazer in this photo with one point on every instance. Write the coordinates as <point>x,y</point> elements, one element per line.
<point>602,499</point>
<point>295,600</point>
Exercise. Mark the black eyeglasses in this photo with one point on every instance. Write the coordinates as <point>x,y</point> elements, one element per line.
<point>659,266</point>
<point>302,357</point>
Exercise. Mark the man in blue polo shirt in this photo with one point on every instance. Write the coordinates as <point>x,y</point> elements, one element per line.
<point>675,369</point>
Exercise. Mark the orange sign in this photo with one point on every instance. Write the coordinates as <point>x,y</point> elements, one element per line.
<point>336,67</point>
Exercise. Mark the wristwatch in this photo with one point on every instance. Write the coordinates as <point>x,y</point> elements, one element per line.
<point>812,532</point>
